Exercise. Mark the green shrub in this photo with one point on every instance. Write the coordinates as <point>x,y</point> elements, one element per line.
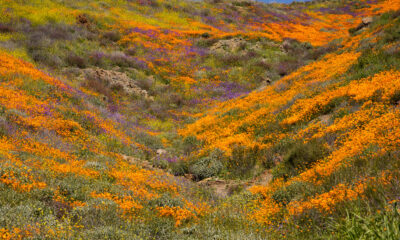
<point>74,187</point>
<point>243,160</point>
<point>299,157</point>
<point>3,126</point>
<point>371,62</point>
<point>180,167</point>
<point>271,156</point>
<point>395,98</point>
<point>149,141</point>
<point>166,200</point>
<point>157,227</point>
<point>190,144</point>
<point>113,36</point>
<point>91,215</point>
<point>382,225</point>
<point>295,190</point>
<point>160,163</point>
<point>76,61</point>
<point>206,167</point>
<point>392,33</point>
<point>108,232</point>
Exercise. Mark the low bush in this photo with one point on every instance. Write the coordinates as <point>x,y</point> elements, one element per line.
<point>113,36</point>
<point>152,142</point>
<point>243,160</point>
<point>108,232</point>
<point>299,157</point>
<point>287,66</point>
<point>130,51</point>
<point>99,86</point>
<point>395,98</point>
<point>381,225</point>
<point>190,144</point>
<point>166,200</point>
<point>158,109</point>
<point>372,62</point>
<point>206,167</point>
<point>3,126</point>
<point>146,83</point>
<point>97,58</point>
<point>92,216</point>
<point>392,33</point>
<point>76,61</point>
<point>274,155</point>
<point>180,167</point>
<point>120,59</point>
<point>160,162</point>
<point>293,191</point>
<point>5,28</point>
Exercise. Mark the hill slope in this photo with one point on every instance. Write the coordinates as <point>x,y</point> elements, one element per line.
<point>103,102</point>
<point>329,131</point>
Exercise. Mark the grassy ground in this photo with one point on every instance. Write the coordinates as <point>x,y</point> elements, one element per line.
<point>234,89</point>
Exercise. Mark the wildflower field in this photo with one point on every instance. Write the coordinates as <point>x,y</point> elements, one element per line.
<point>214,119</point>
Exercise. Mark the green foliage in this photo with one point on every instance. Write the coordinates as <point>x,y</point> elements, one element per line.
<point>91,216</point>
<point>372,62</point>
<point>243,161</point>
<point>392,33</point>
<point>160,163</point>
<point>381,225</point>
<point>299,157</point>
<point>272,155</point>
<point>190,144</point>
<point>38,88</point>
<point>180,167</point>
<point>166,200</point>
<point>395,98</point>
<point>55,38</point>
<point>148,140</point>
<point>207,166</point>
<point>295,190</point>
<point>3,126</point>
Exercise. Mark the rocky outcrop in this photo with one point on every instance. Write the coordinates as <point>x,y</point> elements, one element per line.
<point>367,20</point>
<point>115,79</point>
<point>364,23</point>
<point>138,162</point>
<point>235,45</point>
<point>161,151</point>
<point>228,45</point>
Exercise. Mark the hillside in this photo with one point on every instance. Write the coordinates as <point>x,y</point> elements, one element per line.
<point>217,119</point>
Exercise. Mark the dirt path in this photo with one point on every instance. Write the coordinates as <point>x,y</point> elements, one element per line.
<point>221,187</point>
<point>225,188</point>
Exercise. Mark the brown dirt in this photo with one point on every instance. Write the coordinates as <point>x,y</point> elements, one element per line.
<point>222,188</point>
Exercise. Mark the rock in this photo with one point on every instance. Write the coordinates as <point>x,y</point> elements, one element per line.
<point>277,159</point>
<point>325,119</point>
<point>116,79</point>
<point>130,159</point>
<point>146,165</point>
<point>286,44</point>
<point>161,151</point>
<point>256,47</point>
<point>221,188</point>
<point>212,182</point>
<point>142,163</point>
<point>364,23</point>
<point>265,83</point>
<point>228,45</point>
<point>367,20</point>
<point>189,176</point>
<point>82,19</point>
